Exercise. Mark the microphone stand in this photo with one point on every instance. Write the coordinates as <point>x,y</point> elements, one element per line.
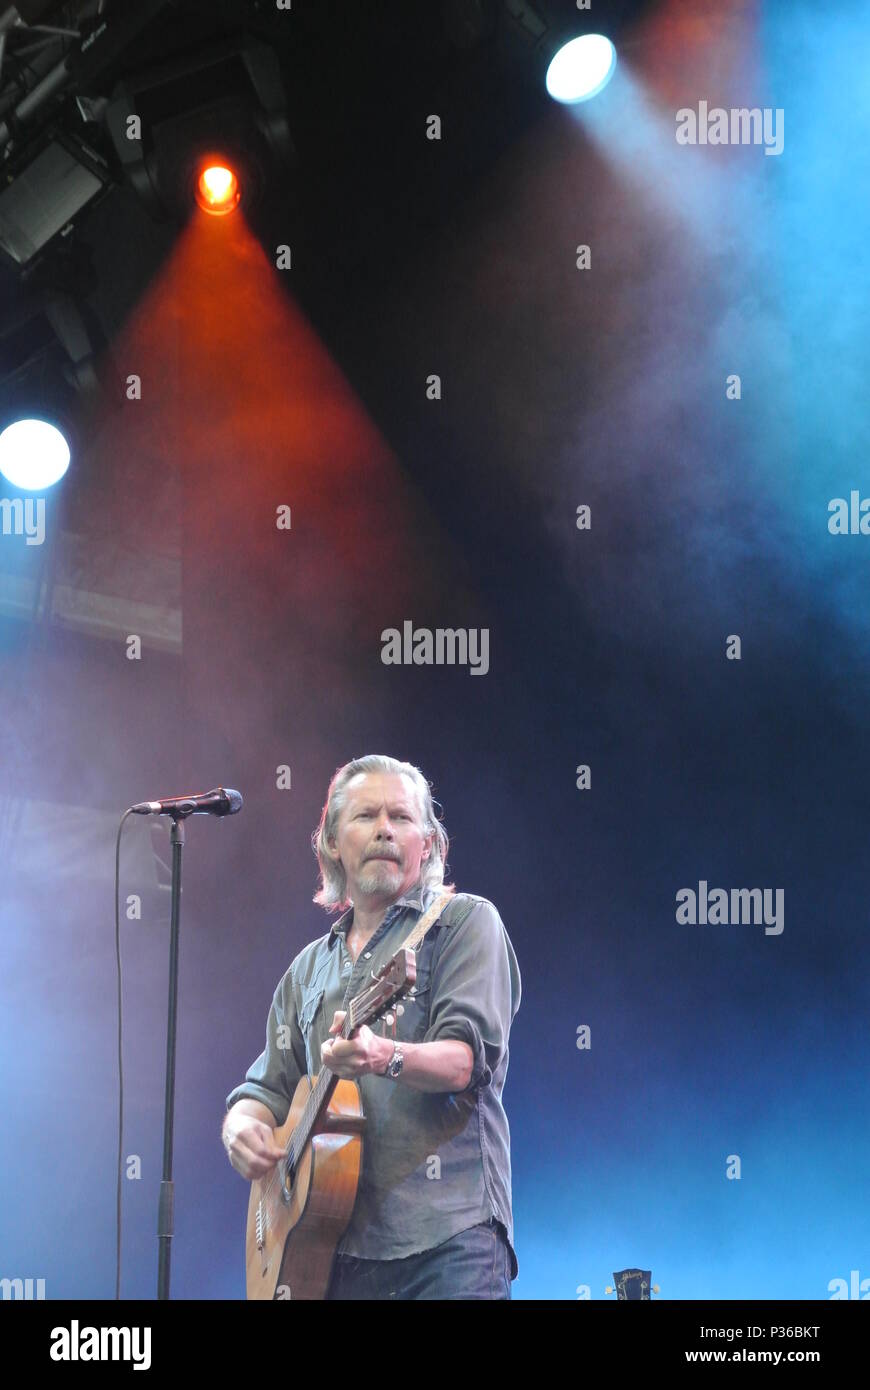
<point>221,802</point>
<point>165,1211</point>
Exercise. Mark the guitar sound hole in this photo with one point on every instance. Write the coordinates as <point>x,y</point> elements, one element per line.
<point>288,1177</point>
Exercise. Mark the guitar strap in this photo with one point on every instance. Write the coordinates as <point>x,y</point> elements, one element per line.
<point>429,918</point>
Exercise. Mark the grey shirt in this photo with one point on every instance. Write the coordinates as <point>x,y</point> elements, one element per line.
<point>434,1163</point>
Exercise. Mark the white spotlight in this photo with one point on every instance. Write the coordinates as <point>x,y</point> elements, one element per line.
<point>581,68</point>
<point>33,455</point>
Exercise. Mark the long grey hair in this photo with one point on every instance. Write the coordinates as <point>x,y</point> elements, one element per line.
<point>332,892</point>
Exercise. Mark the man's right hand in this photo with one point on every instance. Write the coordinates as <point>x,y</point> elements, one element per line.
<point>250,1146</point>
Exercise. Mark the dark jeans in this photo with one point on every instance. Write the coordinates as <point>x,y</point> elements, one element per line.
<point>474,1264</point>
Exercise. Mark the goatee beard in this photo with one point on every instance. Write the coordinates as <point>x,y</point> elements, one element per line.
<point>372,879</point>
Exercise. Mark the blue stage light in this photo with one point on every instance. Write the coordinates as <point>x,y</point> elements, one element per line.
<point>33,455</point>
<point>581,68</point>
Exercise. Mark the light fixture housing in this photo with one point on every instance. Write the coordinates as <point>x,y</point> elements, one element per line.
<point>44,191</point>
<point>581,68</point>
<point>224,105</point>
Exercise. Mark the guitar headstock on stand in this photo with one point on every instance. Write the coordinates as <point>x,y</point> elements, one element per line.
<point>631,1284</point>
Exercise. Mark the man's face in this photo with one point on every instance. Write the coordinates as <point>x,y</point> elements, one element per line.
<point>379,837</point>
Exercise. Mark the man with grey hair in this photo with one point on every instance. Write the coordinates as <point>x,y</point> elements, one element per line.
<point>433,1216</point>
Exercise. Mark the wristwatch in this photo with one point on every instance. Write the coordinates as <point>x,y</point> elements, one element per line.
<point>394,1066</point>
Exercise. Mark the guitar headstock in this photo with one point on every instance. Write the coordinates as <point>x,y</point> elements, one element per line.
<point>632,1284</point>
<point>387,985</point>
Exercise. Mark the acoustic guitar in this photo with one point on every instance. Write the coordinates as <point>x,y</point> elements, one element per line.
<point>299,1211</point>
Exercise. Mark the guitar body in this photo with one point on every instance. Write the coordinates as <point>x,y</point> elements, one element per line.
<point>295,1222</point>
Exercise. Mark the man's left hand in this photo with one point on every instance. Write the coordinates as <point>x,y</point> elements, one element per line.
<point>360,1055</point>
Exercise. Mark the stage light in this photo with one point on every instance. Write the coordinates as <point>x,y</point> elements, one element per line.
<point>217,190</point>
<point>33,454</point>
<point>224,105</point>
<point>581,68</point>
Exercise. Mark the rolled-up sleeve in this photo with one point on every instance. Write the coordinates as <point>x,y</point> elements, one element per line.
<point>274,1076</point>
<point>475,989</point>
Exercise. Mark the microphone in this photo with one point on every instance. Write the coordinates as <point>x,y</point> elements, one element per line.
<point>221,801</point>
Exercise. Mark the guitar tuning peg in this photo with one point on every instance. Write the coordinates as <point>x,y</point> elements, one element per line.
<point>400,1009</point>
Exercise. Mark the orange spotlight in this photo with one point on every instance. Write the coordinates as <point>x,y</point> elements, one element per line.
<point>217,190</point>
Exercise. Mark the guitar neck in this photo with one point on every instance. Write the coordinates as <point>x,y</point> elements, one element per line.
<point>365,1007</point>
